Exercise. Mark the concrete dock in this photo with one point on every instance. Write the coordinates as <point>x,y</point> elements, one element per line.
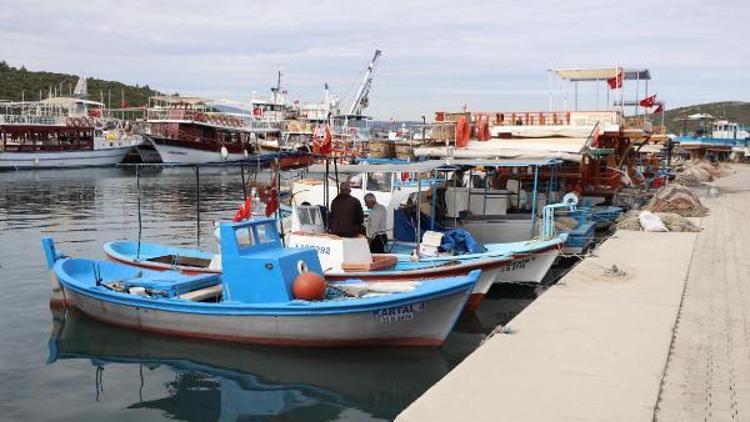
<point>663,337</point>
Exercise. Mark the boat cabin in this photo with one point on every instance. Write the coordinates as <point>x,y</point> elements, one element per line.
<point>724,129</point>
<point>256,267</point>
<point>335,253</point>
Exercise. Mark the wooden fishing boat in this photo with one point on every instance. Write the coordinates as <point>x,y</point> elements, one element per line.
<point>252,300</point>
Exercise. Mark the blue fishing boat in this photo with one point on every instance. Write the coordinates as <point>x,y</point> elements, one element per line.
<point>602,215</point>
<point>342,258</point>
<point>252,301</point>
<point>580,238</point>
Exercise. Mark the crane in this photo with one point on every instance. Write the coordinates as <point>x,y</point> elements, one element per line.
<point>361,101</point>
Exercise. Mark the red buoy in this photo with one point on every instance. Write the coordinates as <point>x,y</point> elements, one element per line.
<point>309,286</point>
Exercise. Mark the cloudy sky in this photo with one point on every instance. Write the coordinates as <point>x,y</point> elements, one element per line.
<point>436,54</point>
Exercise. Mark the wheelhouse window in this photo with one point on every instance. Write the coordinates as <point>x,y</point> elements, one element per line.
<point>266,233</point>
<point>244,237</point>
<point>380,182</point>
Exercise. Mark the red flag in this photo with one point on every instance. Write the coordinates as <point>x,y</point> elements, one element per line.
<point>327,146</point>
<point>244,211</point>
<point>648,101</point>
<point>124,104</point>
<point>659,108</point>
<point>615,82</point>
<point>273,204</point>
<point>596,141</point>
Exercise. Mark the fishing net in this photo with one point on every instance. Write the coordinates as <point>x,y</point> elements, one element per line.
<point>678,199</point>
<point>674,222</point>
<point>565,224</point>
<point>693,176</point>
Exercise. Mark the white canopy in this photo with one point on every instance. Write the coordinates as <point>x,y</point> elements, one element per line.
<point>69,101</point>
<point>415,167</point>
<point>576,75</point>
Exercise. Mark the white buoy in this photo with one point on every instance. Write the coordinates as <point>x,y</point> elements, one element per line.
<point>36,161</point>
<point>224,153</point>
<point>246,154</point>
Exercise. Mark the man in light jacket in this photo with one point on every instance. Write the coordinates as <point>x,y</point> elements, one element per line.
<point>376,221</point>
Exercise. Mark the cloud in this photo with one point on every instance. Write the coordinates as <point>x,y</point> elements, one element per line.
<point>436,54</point>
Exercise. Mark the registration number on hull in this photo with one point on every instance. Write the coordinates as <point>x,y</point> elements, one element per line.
<point>324,250</point>
<point>398,313</point>
<point>516,265</point>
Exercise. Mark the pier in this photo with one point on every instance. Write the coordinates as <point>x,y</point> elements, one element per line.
<point>653,326</point>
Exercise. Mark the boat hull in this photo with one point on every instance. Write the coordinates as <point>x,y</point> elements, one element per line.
<point>176,154</point>
<point>417,323</point>
<point>490,271</point>
<point>528,268</point>
<point>63,159</point>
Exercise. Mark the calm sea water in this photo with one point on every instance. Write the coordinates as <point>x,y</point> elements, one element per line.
<point>64,366</point>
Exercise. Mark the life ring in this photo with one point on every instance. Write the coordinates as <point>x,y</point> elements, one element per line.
<point>69,121</point>
<point>76,122</point>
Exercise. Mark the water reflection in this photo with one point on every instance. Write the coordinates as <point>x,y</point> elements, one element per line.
<point>231,381</point>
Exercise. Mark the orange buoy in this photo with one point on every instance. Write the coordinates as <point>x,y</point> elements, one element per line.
<point>309,286</point>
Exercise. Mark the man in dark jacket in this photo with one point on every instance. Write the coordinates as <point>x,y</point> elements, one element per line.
<point>346,215</point>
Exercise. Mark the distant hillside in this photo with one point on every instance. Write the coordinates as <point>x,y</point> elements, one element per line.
<point>15,82</point>
<point>736,111</point>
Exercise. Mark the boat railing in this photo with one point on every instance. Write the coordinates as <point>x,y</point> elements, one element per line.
<point>549,118</point>
<point>569,202</point>
<point>216,119</point>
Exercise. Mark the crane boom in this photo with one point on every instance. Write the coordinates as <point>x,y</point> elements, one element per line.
<point>361,101</point>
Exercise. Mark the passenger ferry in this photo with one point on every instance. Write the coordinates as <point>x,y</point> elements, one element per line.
<point>58,132</point>
<point>188,130</point>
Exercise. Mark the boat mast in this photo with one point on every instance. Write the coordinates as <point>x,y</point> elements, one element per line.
<point>277,89</point>
<point>361,101</point>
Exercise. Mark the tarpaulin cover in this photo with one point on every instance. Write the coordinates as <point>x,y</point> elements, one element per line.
<point>405,225</point>
<point>458,241</point>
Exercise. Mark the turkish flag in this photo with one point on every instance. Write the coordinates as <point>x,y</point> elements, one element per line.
<point>272,201</point>
<point>615,82</point>
<point>648,101</point>
<point>659,108</point>
<point>326,148</point>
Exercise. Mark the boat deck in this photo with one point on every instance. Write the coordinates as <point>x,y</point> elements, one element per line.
<point>668,340</point>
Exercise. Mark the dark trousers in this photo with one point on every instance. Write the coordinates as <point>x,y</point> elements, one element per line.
<point>377,243</point>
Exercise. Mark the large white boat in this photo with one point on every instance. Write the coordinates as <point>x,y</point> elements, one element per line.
<point>59,132</point>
